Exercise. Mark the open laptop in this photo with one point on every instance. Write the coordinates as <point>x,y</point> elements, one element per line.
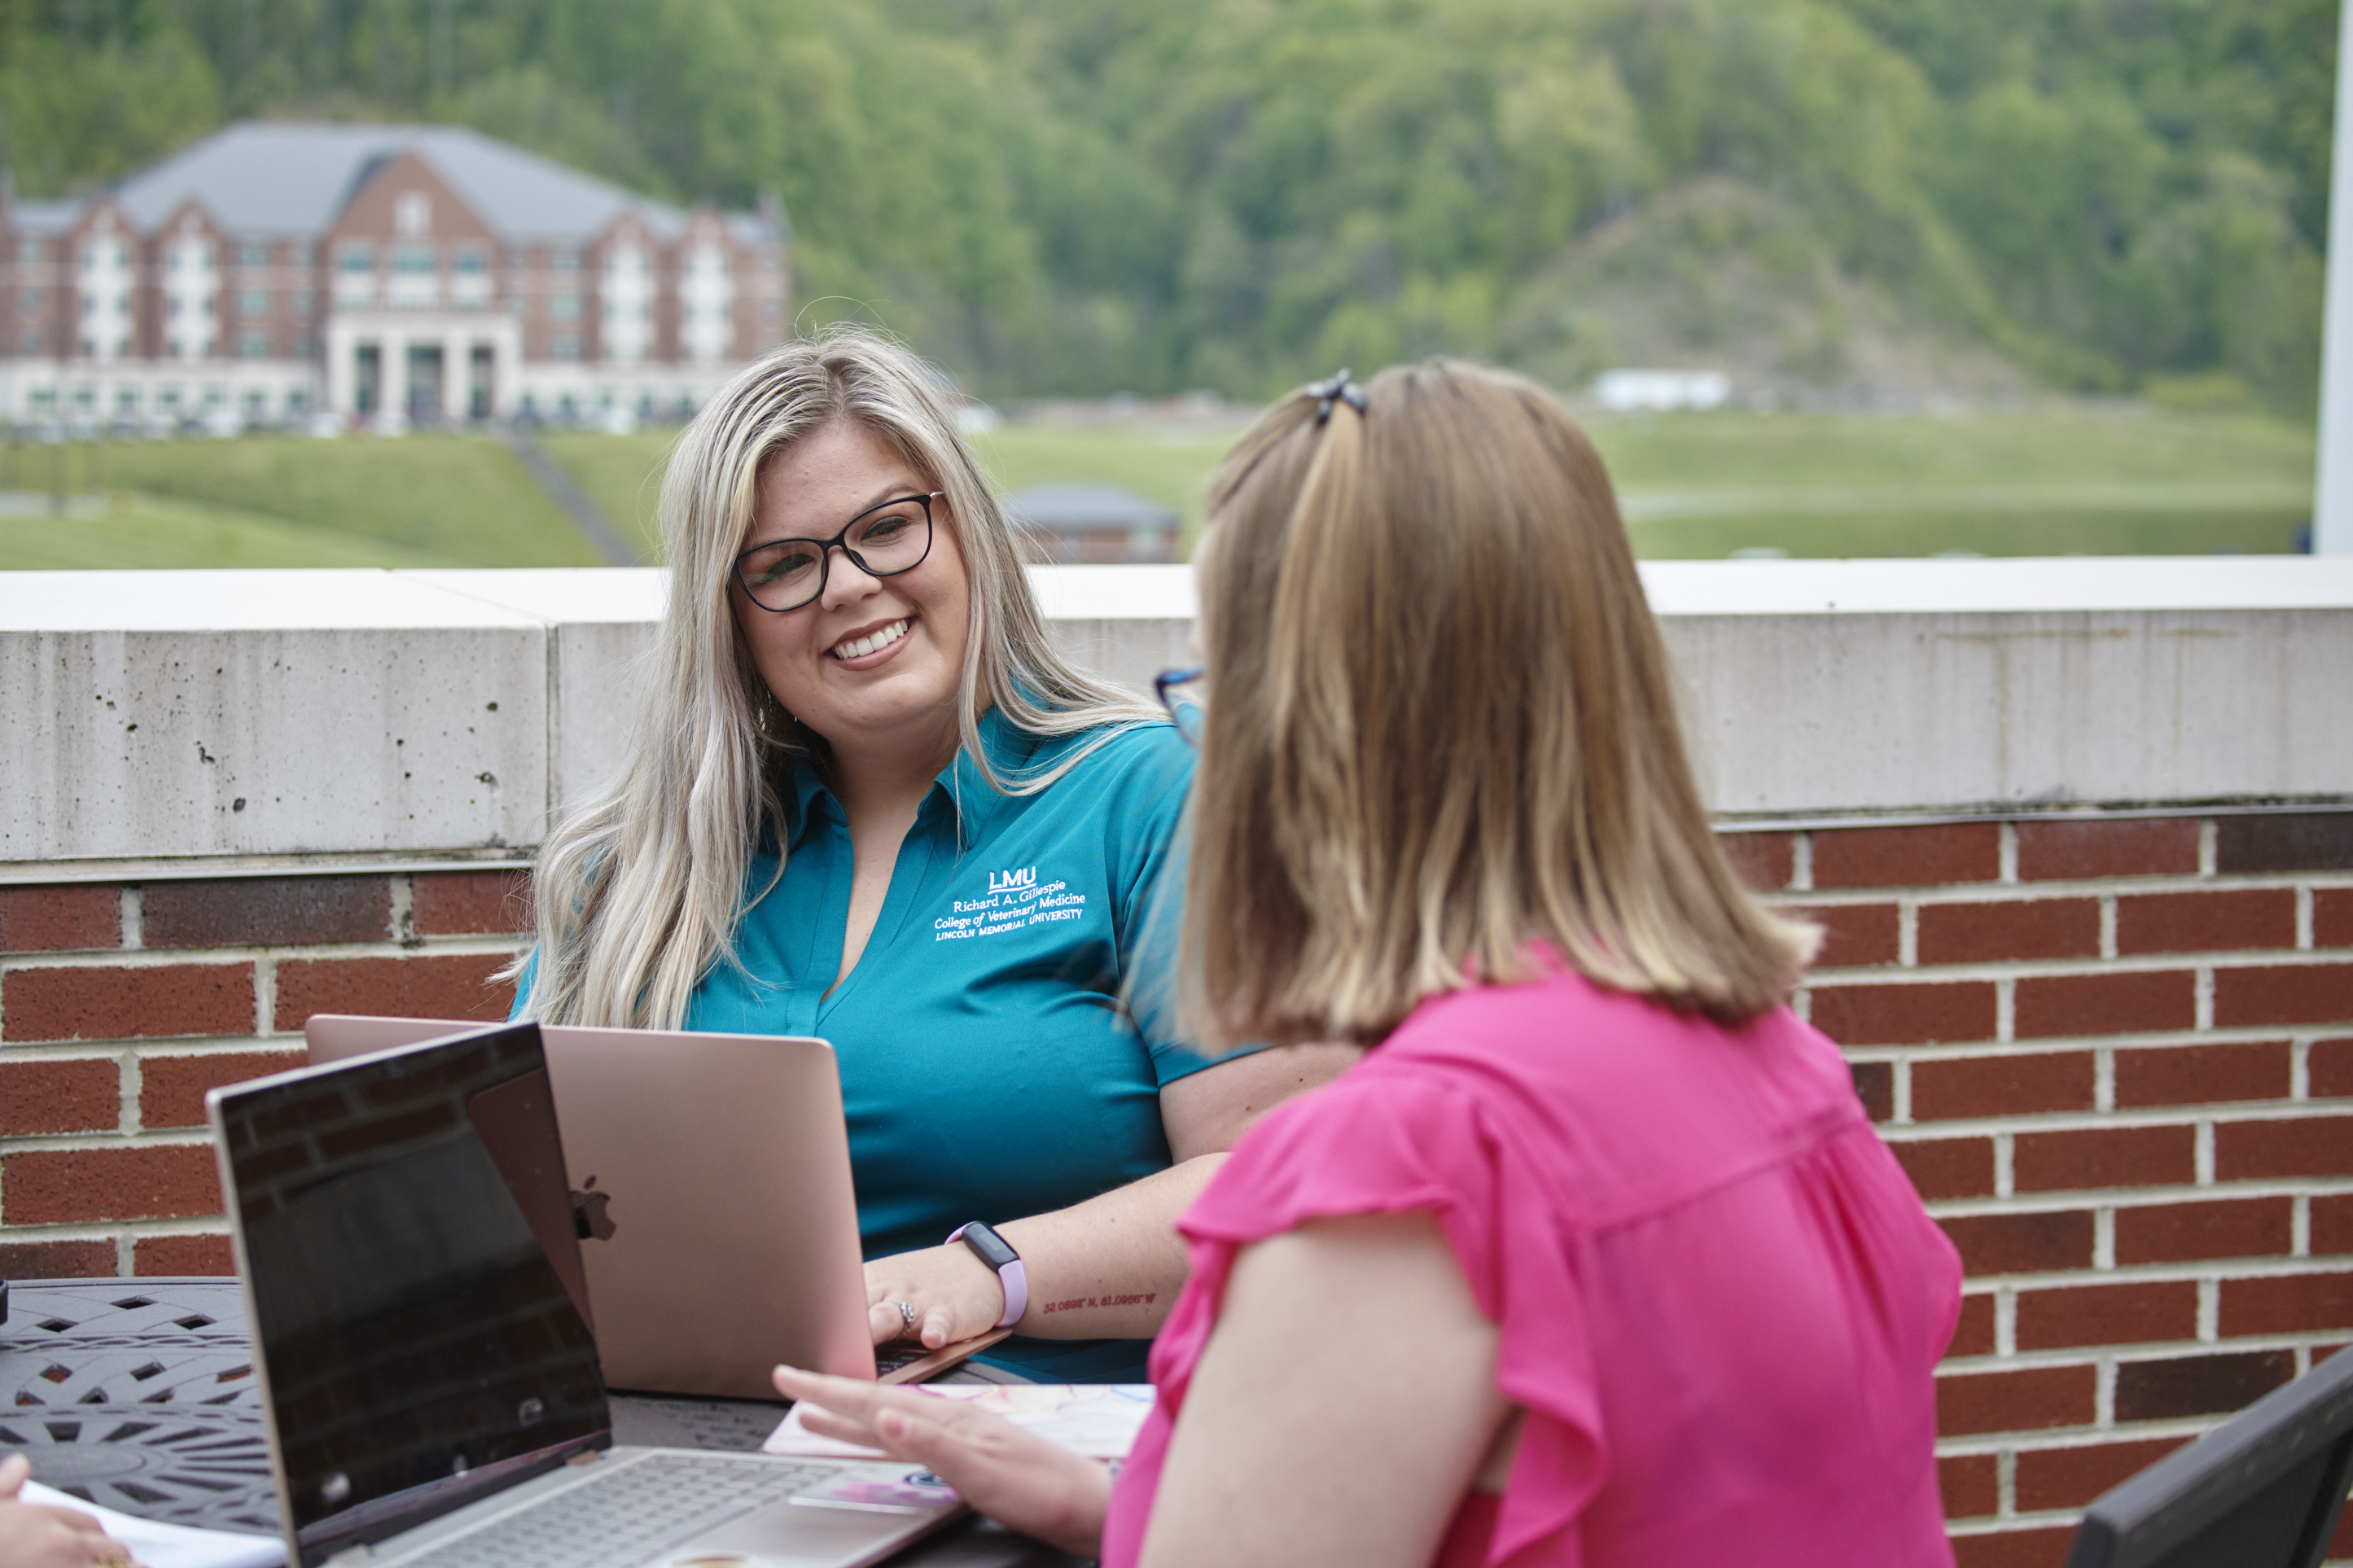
<point>430,1393</point>
<point>715,1226</point>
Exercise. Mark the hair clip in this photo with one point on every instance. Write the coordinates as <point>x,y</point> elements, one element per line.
<point>1337,388</point>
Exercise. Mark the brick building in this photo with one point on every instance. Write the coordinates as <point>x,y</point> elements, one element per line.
<point>396,273</point>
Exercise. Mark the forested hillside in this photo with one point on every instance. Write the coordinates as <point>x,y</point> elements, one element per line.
<point>1084,195</point>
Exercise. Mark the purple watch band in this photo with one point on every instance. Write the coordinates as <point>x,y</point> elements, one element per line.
<point>1009,1273</point>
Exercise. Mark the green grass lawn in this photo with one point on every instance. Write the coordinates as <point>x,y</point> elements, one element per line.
<point>450,500</point>
<point>2061,480</point>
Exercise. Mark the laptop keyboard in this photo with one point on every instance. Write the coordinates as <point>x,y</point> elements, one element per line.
<point>627,1517</point>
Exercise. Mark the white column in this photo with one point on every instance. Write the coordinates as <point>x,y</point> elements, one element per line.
<point>392,380</point>
<point>457,374</point>
<point>506,366</point>
<point>2332,501</point>
<point>342,367</point>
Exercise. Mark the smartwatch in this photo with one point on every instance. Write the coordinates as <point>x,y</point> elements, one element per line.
<point>991,1249</point>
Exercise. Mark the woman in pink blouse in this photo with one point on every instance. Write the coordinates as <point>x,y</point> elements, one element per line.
<point>1593,1257</point>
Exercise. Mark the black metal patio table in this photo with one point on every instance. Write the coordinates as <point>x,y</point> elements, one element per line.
<point>139,1395</point>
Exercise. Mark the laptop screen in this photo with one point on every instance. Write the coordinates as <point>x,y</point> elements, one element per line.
<point>418,1348</point>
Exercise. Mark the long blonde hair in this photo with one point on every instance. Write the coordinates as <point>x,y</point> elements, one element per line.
<point>638,892</point>
<point>1441,724</point>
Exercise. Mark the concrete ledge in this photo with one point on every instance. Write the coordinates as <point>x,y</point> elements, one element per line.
<point>421,717</point>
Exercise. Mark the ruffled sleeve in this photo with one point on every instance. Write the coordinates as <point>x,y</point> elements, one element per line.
<point>1388,1139</point>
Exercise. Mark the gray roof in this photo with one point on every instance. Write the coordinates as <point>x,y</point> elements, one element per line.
<point>268,178</point>
<point>1067,508</point>
<point>43,217</point>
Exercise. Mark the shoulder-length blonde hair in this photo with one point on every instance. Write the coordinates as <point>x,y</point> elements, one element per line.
<point>637,894</point>
<point>1441,724</point>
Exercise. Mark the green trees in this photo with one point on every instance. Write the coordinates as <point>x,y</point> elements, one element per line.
<point>1092,194</point>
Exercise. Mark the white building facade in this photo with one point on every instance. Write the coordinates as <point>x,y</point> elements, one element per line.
<point>388,276</point>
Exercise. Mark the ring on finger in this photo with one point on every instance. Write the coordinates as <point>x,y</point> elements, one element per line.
<point>906,1318</point>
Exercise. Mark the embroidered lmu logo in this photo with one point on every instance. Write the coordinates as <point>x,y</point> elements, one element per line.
<point>1013,881</point>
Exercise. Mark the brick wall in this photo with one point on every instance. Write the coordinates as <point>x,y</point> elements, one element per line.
<point>120,1006</point>
<point>2117,1058</point>
<point>2115,1055</point>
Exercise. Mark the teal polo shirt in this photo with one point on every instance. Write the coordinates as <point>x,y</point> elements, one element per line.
<point>990,1068</point>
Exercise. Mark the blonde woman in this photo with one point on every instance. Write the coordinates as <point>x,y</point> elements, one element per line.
<point>1594,1257</point>
<point>868,801</point>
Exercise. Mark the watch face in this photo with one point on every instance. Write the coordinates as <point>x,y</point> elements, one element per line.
<point>989,1246</point>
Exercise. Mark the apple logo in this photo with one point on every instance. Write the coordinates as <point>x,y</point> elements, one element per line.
<point>589,1220</point>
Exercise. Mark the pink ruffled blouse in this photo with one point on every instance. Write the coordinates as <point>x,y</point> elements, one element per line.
<point>1720,1303</point>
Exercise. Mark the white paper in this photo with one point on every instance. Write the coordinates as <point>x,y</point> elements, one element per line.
<point>157,1545</point>
<point>1100,1420</point>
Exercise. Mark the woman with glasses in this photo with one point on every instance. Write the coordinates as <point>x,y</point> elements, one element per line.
<point>1594,1257</point>
<point>868,800</point>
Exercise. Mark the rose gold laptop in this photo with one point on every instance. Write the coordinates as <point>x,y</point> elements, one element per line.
<point>713,1220</point>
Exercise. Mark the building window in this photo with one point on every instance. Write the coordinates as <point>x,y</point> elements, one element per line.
<point>414,258</point>
<point>206,303</point>
<point>253,345</point>
<point>567,348</point>
<point>253,303</point>
<point>126,400</point>
<point>89,348</point>
<point>357,258</point>
<point>172,306</point>
<point>304,348</point>
<point>29,300</point>
<point>209,350</point>
<point>563,260</point>
<point>28,250</point>
<point>32,342</point>
<point>563,307</point>
<point>473,258</point>
<point>253,256</point>
<point>89,304</point>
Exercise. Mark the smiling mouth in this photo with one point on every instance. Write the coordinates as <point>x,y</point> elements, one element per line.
<point>872,642</point>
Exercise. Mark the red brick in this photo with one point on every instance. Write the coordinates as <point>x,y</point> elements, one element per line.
<point>2071,1477</point>
<point>450,985</point>
<point>2181,1386</point>
<point>2332,1223</point>
<point>2330,1066</point>
<point>2223,921</point>
<point>1907,857</point>
<point>1947,1167</point>
<point>2186,1233</point>
<point>56,1260</point>
<point>172,1089</point>
<point>1905,1015</point>
<point>2001,1085</point>
<point>2286,1304</point>
<point>39,1097</point>
<point>2283,994</point>
<point>1766,862</point>
<point>2332,917</point>
<point>2031,1400</point>
<point>2052,1005</point>
<point>2340,1545</point>
<point>2105,1157</point>
<point>55,919</point>
<point>1970,1484</point>
<point>2017,928</point>
<point>121,1004</point>
<point>1973,1331</point>
<point>2203,1075</point>
<point>253,911</point>
<point>2144,847</point>
<point>184,1255</point>
<point>69,1186</point>
<point>2305,1146</point>
<point>1855,936</point>
<point>2022,1242</point>
<point>479,903</point>
<point>2042,1548</point>
<point>2137,1313</point>
<point>2284,841</point>
<point>1874,1085</point>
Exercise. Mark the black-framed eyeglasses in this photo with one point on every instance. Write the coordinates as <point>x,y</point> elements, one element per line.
<point>1184,707</point>
<point>886,539</point>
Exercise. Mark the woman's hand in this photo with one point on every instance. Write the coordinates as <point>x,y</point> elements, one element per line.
<point>952,1294</point>
<point>1016,1478</point>
<point>32,1536</point>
